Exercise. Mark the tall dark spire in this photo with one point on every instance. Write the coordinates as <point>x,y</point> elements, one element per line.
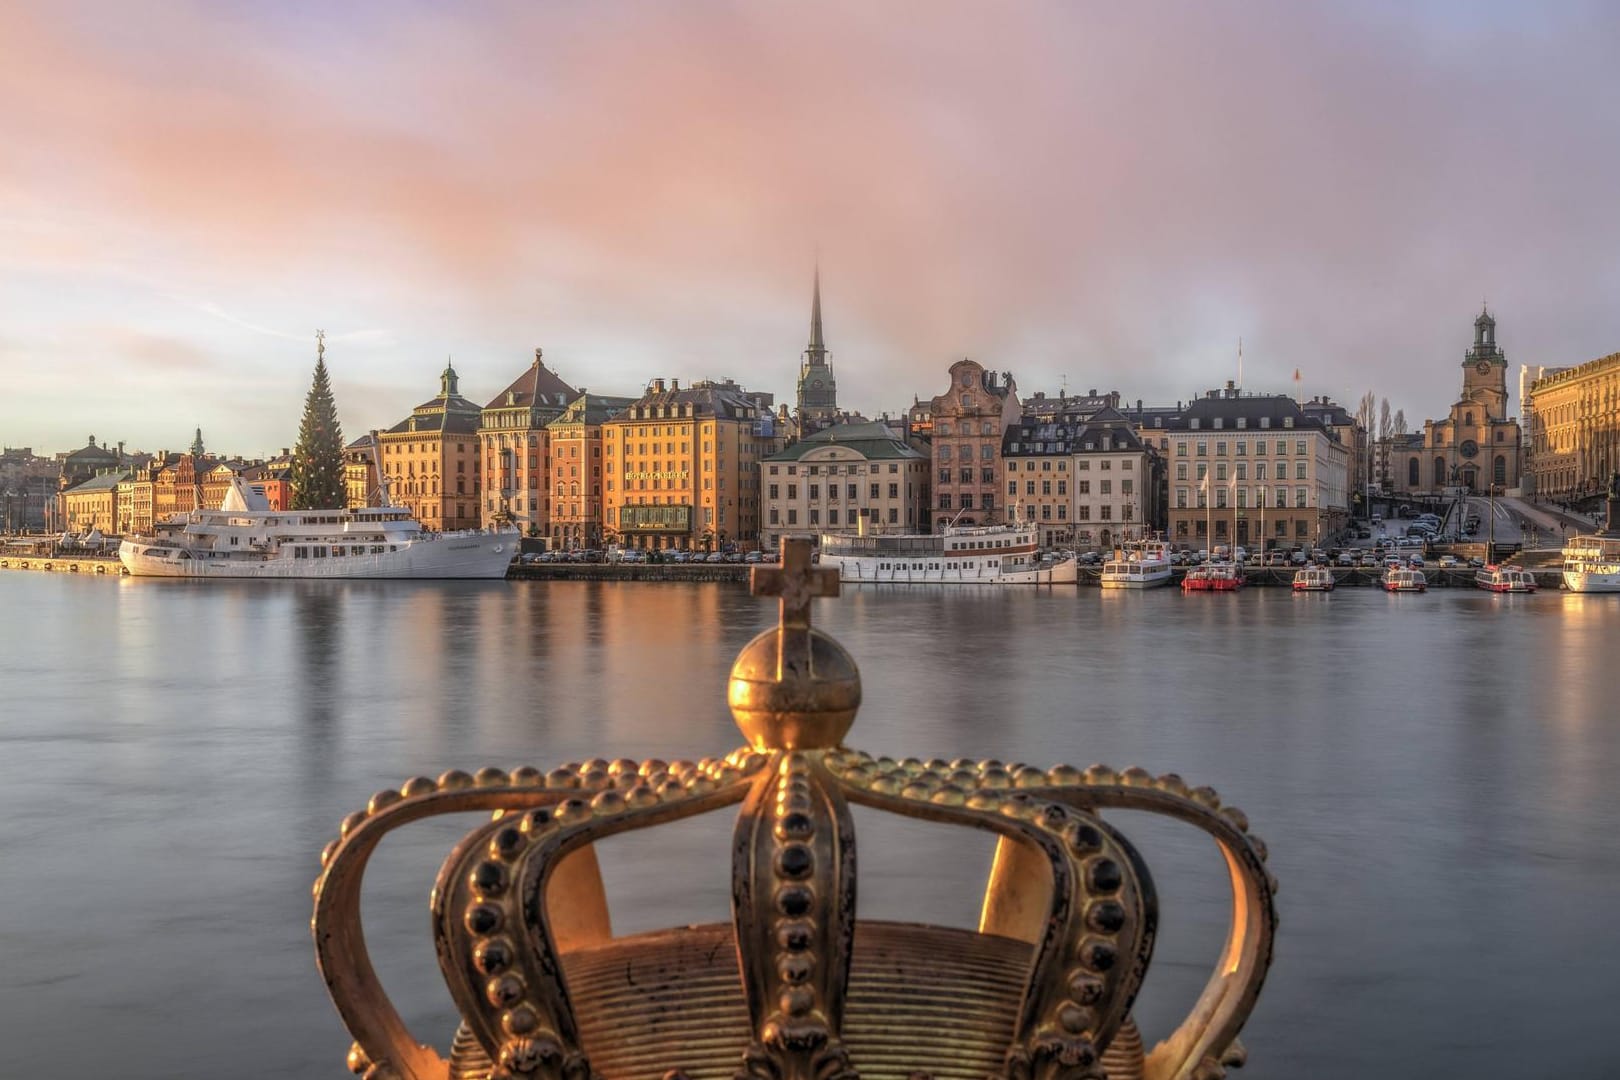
<point>818,347</point>
<point>197,445</point>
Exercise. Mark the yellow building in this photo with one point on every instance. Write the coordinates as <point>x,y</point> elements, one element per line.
<point>361,483</point>
<point>852,477</point>
<point>575,472</point>
<point>1575,430</point>
<point>512,431</point>
<point>92,504</point>
<point>430,460</point>
<point>681,467</point>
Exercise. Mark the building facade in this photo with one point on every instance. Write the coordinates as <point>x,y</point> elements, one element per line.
<point>1575,430</point>
<point>430,459</point>
<point>575,473</point>
<point>1082,475</point>
<point>852,477</point>
<point>93,504</point>
<point>1255,470</point>
<point>968,422</point>
<point>1477,444</point>
<point>362,484</point>
<point>681,467</point>
<point>516,448</point>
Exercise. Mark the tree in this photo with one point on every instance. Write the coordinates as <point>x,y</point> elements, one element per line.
<point>317,468</point>
<point>1386,425</point>
<point>1365,409</point>
<point>1399,427</point>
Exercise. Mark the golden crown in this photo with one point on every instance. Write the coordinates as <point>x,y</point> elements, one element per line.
<point>795,988</point>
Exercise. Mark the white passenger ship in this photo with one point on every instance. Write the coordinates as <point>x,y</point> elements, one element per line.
<point>969,555</point>
<point>246,539</point>
<point>1143,564</point>
<point>1592,561</point>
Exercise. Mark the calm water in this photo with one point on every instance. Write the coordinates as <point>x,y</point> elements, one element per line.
<point>1435,777</point>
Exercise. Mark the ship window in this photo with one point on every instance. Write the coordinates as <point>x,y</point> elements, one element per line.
<point>393,547</point>
<point>300,553</point>
<point>318,552</point>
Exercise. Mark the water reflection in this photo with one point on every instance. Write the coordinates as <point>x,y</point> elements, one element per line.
<point>1420,766</point>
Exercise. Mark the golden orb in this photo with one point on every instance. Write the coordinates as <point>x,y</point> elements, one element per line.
<point>785,696</point>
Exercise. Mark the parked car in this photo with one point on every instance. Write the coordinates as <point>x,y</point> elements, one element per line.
<point>1369,560</point>
<point>754,557</point>
<point>1448,562</point>
<point>1346,558</point>
<point>1277,558</point>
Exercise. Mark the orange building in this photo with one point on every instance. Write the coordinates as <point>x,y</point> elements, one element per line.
<point>575,475</point>
<point>682,467</point>
<point>178,487</point>
<point>512,431</point>
<point>969,420</point>
<point>430,459</point>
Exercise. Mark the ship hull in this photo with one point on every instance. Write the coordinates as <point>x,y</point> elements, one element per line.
<point>483,556</point>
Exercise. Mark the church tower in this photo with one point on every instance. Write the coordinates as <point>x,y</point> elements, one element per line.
<point>1485,369</point>
<point>817,389</point>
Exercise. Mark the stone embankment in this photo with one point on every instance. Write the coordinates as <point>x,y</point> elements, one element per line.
<point>735,572</point>
<point>64,564</point>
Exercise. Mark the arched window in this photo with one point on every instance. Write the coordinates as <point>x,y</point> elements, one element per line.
<point>1500,469</point>
<point>1412,478</point>
<point>1468,419</point>
<point>1439,472</point>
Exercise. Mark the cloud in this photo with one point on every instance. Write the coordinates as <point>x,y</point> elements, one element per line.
<point>1112,194</point>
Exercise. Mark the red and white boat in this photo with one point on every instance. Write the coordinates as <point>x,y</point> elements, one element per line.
<point>1213,577</point>
<point>1495,578</point>
<point>1314,579</point>
<point>1405,579</point>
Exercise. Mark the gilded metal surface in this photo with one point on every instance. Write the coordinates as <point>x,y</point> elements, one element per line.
<point>795,988</point>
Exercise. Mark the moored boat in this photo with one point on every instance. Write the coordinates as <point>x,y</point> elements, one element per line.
<point>969,555</point>
<point>1592,560</point>
<point>1405,579</point>
<point>246,539</point>
<point>1213,577</point>
<point>1314,579</point>
<point>1143,564</point>
<point>1508,579</point>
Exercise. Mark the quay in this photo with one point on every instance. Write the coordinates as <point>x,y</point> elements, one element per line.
<point>65,564</point>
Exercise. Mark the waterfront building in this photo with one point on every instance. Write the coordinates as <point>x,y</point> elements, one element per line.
<point>272,480</point>
<point>1253,468</point>
<point>1081,474</point>
<point>137,494</point>
<point>430,459</point>
<point>362,484</point>
<point>1575,429</point>
<point>852,477</point>
<point>516,448</point>
<point>1477,443</point>
<point>575,472</point>
<point>1356,439</point>
<point>86,462</point>
<point>93,504</point>
<point>681,466</point>
<point>968,421</point>
<point>1529,375</point>
<point>177,488</point>
<point>816,392</point>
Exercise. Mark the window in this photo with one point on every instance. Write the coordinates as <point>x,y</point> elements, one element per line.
<point>1259,470</point>
<point>1063,487</point>
<point>850,490</point>
<point>1107,487</point>
<point>1220,470</point>
<point>1203,449</point>
<point>1203,470</point>
<point>944,453</point>
<point>1220,448</point>
<point>1299,446</point>
<point>793,491</point>
<point>793,516</point>
<point>894,491</point>
<point>1181,449</point>
<point>1242,470</point>
<point>815,491</point>
<point>1085,487</point>
<point>832,516</point>
<point>815,516</point>
<point>1181,471</point>
<point>1299,497</point>
<point>1029,487</point>
<point>773,491</point>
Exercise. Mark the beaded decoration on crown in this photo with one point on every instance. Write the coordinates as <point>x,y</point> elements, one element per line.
<point>794,987</point>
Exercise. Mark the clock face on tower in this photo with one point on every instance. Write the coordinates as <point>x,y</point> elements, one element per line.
<point>816,385</point>
<point>1483,367</point>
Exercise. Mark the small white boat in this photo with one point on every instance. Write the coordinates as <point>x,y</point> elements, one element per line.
<point>1508,579</point>
<point>1143,564</point>
<point>1592,564</point>
<point>1405,579</point>
<point>1314,579</point>
<point>245,539</point>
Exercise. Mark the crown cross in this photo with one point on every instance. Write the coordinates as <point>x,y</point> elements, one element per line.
<point>796,584</point>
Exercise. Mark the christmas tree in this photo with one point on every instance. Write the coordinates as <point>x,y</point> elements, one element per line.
<point>317,467</point>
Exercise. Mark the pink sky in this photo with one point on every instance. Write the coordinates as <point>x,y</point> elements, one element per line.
<point>1111,193</point>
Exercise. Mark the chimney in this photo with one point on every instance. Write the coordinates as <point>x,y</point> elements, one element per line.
<point>1092,392</point>
<point>120,449</point>
<point>537,354</point>
<point>1138,405</point>
<point>658,385</point>
<point>674,384</point>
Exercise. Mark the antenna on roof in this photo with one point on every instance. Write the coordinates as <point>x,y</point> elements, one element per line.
<point>1240,363</point>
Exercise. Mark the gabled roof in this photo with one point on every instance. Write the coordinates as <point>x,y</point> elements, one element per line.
<point>592,410</point>
<point>871,439</point>
<point>107,481</point>
<point>537,386</point>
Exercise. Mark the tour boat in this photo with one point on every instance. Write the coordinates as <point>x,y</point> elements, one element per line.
<point>1314,579</point>
<point>965,555</point>
<point>1494,578</point>
<point>246,539</point>
<point>1143,564</point>
<point>1213,577</point>
<point>1592,564</point>
<point>1405,579</point>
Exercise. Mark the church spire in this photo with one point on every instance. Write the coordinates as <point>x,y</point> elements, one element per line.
<point>197,445</point>
<point>817,351</point>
